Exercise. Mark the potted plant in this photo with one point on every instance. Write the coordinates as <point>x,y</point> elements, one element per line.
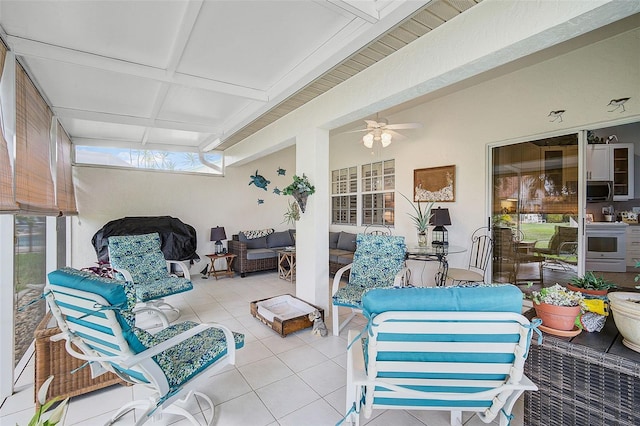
<point>420,219</point>
<point>300,189</point>
<point>557,307</point>
<point>589,283</point>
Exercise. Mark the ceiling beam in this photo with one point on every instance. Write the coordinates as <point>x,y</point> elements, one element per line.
<point>104,117</point>
<point>365,10</point>
<point>30,48</point>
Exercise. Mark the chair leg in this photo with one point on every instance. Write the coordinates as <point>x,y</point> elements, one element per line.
<point>337,327</point>
<point>456,418</point>
<point>148,405</point>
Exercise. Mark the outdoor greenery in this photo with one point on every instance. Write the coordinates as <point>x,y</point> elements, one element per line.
<point>29,269</point>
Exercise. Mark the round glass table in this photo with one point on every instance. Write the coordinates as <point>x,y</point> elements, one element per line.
<point>437,253</point>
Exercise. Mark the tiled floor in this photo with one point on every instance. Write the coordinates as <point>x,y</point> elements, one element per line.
<point>298,380</point>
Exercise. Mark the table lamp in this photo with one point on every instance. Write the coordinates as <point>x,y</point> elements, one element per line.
<point>218,234</point>
<point>439,219</point>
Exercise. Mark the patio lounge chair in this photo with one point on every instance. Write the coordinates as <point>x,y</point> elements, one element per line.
<point>95,317</point>
<point>139,259</point>
<point>441,348</point>
<point>377,262</point>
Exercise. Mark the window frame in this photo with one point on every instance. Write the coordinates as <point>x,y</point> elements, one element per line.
<point>373,199</point>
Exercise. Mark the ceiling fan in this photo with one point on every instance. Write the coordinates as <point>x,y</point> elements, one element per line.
<point>380,130</point>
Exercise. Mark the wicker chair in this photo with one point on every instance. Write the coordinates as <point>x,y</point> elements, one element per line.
<point>96,320</point>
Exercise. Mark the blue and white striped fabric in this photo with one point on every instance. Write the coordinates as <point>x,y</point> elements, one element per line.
<point>443,348</point>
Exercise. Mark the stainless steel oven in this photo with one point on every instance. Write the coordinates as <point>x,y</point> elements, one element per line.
<point>606,247</point>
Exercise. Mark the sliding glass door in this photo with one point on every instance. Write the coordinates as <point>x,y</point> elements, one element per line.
<point>534,209</point>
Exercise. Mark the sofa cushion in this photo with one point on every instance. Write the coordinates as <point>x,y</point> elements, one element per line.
<point>254,243</point>
<point>280,239</point>
<point>347,241</point>
<point>260,253</point>
<point>345,258</point>
<point>333,239</point>
<point>336,254</point>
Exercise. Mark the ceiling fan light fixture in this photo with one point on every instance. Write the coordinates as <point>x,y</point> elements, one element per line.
<point>368,140</point>
<point>385,139</point>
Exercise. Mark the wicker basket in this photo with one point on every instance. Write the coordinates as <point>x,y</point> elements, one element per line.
<point>53,359</point>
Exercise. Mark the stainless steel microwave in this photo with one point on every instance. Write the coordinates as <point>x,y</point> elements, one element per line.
<point>599,191</point>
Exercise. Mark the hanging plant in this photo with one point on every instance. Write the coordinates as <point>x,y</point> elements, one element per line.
<point>300,189</point>
<point>292,214</point>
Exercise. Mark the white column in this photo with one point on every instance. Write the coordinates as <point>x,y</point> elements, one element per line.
<point>6,305</point>
<point>312,230</point>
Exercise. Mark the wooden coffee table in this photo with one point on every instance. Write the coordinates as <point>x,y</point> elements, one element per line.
<point>228,257</point>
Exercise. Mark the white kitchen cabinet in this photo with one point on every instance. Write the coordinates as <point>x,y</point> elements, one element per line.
<point>622,171</point>
<point>633,245</point>
<point>598,162</point>
<point>613,162</point>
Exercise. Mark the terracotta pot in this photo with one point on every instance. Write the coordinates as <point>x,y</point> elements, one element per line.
<point>586,291</point>
<point>557,317</point>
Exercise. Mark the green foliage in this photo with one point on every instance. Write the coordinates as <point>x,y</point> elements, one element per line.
<point>591,282</point>
<point>300,184</point>
<point>292,214</point>
<point>56,414</point>
<point>420,218</point>
<point>555,218</point>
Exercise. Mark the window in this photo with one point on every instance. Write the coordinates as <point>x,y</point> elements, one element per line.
<point>374,198</point>
<point>378,185</point>
<point>344,188</point>
<point>150,159</point>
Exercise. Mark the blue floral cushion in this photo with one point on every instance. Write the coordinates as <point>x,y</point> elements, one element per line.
<point>376,262</point>
<point>141,255</point>
<point>183,361</point>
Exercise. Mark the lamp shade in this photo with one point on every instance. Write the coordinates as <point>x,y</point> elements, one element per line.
<point>218,234</point>
<point>440,217</point>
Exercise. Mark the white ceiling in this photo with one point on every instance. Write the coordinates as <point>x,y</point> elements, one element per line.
<point>181,74</point>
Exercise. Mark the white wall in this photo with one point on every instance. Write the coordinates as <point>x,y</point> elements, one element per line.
<point>457,129</point>
<point>203,202</point>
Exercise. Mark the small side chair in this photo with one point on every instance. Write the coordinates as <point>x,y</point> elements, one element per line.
<point>379,261</point>
<point>139,259</point>
<point>96,319</point>
<point>481,247</point>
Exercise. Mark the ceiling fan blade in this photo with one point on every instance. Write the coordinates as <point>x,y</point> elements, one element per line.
<point>403,126</point>
<point>396,136</point>
<point>356,131</point>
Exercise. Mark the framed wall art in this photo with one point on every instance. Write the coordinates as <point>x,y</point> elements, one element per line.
<point>435,184</point>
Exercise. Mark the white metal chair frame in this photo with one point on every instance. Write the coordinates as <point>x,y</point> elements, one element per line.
<point>365,387</point>
<point>113,341</point>
<point>481,249</point>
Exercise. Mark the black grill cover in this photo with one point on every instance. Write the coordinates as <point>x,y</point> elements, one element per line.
<point>178,240</point>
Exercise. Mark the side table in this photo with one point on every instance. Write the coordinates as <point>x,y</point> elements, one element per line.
<point>228,257</point>
<point>287,265</point>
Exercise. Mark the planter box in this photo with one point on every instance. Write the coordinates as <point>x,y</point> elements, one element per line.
<point>53,359</point>
<point>284,314</point>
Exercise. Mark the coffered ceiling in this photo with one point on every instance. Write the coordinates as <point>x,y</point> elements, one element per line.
<point>182,75</point>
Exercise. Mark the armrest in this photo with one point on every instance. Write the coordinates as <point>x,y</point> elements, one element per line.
<point>568,247</point>
<point>183,266</point>
<point>337,277</point>
<point>402,277</point>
